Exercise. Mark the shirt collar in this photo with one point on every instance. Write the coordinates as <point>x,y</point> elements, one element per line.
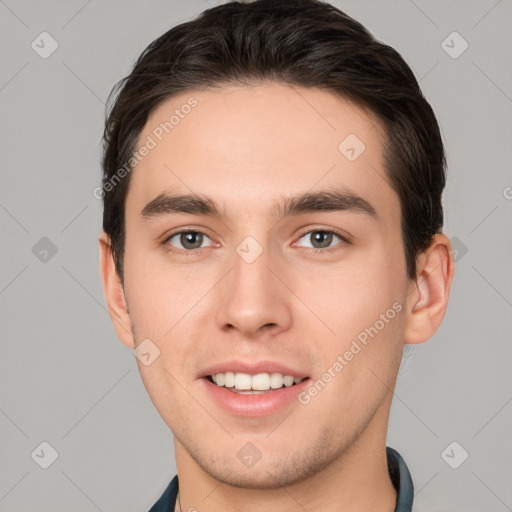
<point>401,478</point>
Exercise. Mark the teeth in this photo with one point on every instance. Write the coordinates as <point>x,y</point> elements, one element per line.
<point>229,379</point>
<point>258,382</point>
<point>288,381</point>
<point>242,380</point>
<point>276,380</point>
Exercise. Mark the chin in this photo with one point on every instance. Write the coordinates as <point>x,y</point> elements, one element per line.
<point>264,478</point>
<point>279,471</point>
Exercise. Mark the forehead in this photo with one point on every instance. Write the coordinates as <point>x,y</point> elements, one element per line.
<point>248,145</point>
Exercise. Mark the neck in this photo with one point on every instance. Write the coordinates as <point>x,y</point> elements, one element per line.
<point>357,481</point>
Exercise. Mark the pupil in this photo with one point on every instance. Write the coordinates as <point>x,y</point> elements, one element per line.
<point>323,238</point>
<point>188,238</point>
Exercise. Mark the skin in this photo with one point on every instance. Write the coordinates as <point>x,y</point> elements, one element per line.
<point>246,147</point>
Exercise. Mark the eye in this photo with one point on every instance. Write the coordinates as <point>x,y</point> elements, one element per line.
<point>193,240</point>
<point>189,240</point>
<point>322,239</point>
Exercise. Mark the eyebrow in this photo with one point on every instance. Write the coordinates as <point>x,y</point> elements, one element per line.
<point>309,202</point>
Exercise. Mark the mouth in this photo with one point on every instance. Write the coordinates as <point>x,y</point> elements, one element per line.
<point>251,388</point>
<point>256,384</point>
<point>254,394</point>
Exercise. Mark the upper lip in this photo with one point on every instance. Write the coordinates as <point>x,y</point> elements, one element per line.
<point>252,368</point>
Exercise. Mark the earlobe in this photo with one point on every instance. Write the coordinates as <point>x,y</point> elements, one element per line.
<point>114,293</point>
<point>428,298</point>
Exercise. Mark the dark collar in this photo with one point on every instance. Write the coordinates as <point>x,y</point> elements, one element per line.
<point>401,478</point>
<point>398,472</point>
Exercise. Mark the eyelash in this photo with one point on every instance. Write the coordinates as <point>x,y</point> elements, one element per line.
<point>191,252</point>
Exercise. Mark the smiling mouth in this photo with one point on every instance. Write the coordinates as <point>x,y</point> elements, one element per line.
<point>246,384</point>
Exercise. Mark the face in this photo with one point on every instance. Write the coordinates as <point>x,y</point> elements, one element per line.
<point>314,289</point>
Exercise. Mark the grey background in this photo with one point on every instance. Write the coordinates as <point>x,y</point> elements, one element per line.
<point>67,380</point>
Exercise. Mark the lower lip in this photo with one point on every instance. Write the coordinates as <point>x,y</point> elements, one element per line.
<point>264,404</point>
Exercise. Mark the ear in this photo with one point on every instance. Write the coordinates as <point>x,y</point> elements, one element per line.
<point>428,295</point>
<point>114,293</point>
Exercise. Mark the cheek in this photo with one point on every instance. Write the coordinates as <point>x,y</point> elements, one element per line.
<point>165,307</point>
<point>173,404</point>
<point>348,298</point>
<point>356,366</point>
<point>357,329</point>
<point>157,299</point>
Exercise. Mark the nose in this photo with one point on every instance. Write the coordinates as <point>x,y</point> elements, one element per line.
<point>253,297</point>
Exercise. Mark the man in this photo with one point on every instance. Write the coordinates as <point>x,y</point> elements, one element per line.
<point>272,238</point>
